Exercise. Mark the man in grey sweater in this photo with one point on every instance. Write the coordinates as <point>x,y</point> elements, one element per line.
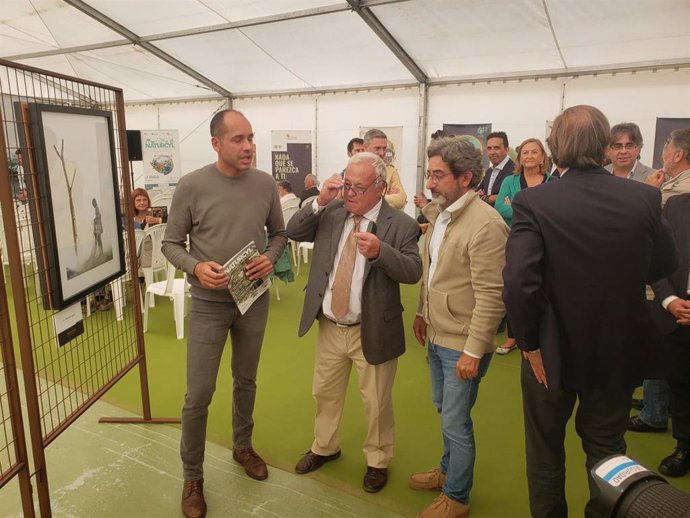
<point>222,207</point>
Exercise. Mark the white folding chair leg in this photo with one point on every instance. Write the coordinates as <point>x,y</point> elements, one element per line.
<point>275,283</point>
<point>178,308</point>
<point>148,280</point>
<point>294,245</point>
<point>116,290</point>
<point>146,310</point>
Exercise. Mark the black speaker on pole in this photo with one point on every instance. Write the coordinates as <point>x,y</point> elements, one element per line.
<point>134,145</point>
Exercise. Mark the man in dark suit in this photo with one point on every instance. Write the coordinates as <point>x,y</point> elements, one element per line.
<point>501,166</point>
<point>311,188</point>
<point>575,297</point>
<point>671,312</point>
<point>363,249</point>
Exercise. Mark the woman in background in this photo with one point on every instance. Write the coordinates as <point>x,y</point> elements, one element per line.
<point>530,171</point>
<point>142,219</point>
<point>142,205</point>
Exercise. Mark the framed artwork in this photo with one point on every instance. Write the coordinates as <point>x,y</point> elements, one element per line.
<point>80,229</point>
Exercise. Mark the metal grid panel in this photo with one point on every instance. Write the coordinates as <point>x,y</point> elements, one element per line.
<point>9,458</point>
<point>67,379</point>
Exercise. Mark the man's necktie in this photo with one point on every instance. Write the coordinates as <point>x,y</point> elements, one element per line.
<point>340,300</point>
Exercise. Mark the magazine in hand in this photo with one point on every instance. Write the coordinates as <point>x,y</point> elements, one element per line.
<point>244,291</point>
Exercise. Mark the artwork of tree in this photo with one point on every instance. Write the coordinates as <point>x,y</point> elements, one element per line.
<point>61,156</point>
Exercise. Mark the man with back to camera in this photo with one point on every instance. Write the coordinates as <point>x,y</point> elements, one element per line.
<point>623,151</point>
<point>459,309</point>
<point>222,207</point>
<point>575,297</point>
<point>363,250</point>
<point>376,141</point>
<point>502,166</point>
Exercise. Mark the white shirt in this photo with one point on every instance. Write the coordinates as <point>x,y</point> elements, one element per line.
<point>494,174</point>
<point>439,233</point>
<point>354,312</point>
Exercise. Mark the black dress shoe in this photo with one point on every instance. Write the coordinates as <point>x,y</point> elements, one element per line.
<point>637,404</point>
<point>676,464</point>
<point>311,461</point>
<point>375,479</point>
<point>638,425</point>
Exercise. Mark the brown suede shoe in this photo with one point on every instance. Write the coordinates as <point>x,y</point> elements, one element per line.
<point>193,503</point>
<point>253,465</point>
<point>375,479</point>
<point>444,507</point>
<point>432,479</point>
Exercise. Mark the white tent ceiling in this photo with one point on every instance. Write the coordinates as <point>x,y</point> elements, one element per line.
<point>180,49</point>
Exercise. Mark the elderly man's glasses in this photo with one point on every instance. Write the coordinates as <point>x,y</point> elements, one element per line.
<point>358,190</point>
<point>619,145</point>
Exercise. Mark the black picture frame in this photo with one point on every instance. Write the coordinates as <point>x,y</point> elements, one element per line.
<point>78,218</point>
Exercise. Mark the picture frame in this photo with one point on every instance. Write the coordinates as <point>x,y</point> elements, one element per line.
<point>77,215</point>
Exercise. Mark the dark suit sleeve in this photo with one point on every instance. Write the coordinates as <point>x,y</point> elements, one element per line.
<point>673,213</point>
<point>402,263</point>
<point>523,291</point>
<point>664,255</point>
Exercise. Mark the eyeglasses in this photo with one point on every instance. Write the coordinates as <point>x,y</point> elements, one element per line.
<point>619,145</point>
<point>358,190</point>
<point>435,178</point>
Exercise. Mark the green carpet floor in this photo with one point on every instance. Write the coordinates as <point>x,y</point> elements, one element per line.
<point>284,415</point>
<point>285,408</point>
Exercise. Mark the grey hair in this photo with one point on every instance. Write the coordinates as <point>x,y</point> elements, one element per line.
<point>680,139</point>
<point>460,155</point>
<point>372,134</point>
<point>374,160</point>
<point>313,178</point>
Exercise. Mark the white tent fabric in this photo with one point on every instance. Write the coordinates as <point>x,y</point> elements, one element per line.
<point>187,49</point>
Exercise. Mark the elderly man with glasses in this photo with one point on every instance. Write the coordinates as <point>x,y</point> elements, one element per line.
<point>363,250</point>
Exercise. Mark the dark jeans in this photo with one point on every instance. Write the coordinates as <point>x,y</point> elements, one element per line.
<point>600,421</point>
<point>209,324</point>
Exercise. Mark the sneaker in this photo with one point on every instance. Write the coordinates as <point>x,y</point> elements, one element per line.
<point>444,507</point>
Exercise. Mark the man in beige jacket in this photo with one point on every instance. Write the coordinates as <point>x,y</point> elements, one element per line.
<point>459,309</point>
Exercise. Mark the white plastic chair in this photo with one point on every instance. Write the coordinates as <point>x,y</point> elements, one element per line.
<point>158,262</point>
<point>163,198</point>
<point>304,248</point>
<point>290,208</point>
<point>176,290</point>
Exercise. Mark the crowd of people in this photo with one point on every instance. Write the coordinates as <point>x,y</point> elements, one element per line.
<point>563,246</point>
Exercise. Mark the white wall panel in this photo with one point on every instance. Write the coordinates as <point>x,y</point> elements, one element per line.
<point>519,108</point>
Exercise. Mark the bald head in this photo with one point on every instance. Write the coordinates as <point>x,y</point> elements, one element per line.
<point>579,137</point>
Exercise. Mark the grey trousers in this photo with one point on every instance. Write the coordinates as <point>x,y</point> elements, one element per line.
<point>209,324</point>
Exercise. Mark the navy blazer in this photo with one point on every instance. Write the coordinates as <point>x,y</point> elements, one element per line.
<point>580,253</point>
<point>382,330</point>
<point>505,173</point>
